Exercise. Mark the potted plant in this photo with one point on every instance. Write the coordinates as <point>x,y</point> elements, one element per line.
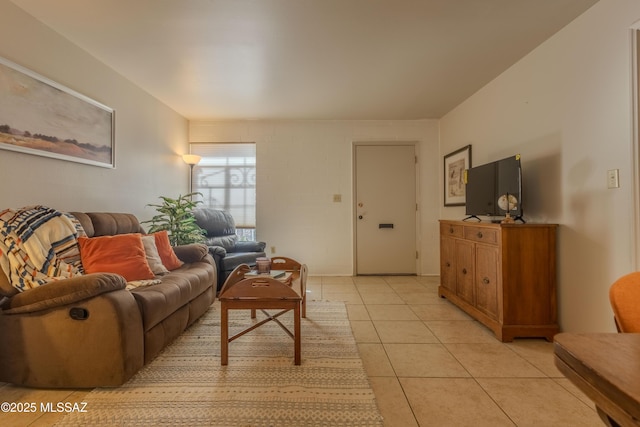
<point>176,216</point>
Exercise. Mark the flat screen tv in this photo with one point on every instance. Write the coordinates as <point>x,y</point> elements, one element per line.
<point>495,188</point>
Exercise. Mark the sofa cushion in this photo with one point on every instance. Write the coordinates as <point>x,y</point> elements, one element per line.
<point>167,255</point>
<point>226,242</point>
<point>153,257</point>
<point>85,222</point>
<point>215,222</point>
<point>122,254</point>
<point>64,292</point>
<point>250,246</point>
<point>178,287</point>
<point>191,252</point>
<point>108,224</point>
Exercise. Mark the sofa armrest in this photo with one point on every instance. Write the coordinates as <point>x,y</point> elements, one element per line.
<point>248,246</point>
<point>64,292</point>
<point>193,252</point>
<point>217,251</point>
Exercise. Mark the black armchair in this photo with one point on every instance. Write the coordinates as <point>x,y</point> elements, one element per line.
<point>227,251</point>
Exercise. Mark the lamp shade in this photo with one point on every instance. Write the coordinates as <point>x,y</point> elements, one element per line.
<point>191,159</point>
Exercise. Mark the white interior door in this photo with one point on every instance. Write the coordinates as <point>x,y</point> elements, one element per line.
<point>385,182</point>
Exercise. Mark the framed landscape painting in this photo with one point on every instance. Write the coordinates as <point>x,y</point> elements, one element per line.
<point>41,117</point>
<point>455,165</point>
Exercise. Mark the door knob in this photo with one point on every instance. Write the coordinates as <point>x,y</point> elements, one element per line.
<point>359,216</point>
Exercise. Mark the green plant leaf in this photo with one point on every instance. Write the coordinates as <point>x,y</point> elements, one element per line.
<point>176,216</point>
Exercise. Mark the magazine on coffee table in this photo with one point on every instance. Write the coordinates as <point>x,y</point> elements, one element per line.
<point>274,274</point>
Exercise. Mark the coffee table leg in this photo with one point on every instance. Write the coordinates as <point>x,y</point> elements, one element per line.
<point>224,335</point>
<point>304,305</point>
<point>296,334</point>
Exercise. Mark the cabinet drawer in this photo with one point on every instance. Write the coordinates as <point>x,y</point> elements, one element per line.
<point>453,230</point>
<point>481,234</point>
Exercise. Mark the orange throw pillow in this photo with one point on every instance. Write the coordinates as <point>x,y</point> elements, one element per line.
<point>167,255</point>
<point>122,254</point>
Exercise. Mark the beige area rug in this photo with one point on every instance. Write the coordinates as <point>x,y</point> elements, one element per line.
<point>185,385</point>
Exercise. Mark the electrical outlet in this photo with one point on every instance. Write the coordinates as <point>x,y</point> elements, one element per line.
<point>273,249</point>
<point>337,198</point>
<point>613,178</point>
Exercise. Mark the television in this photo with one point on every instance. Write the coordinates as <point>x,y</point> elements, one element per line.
<point>495,188</point>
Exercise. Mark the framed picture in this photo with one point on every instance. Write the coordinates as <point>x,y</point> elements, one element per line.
<point>41,117</point>
<point>455,165</point>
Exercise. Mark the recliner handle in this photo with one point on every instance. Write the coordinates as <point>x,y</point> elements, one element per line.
<point>78,313</point>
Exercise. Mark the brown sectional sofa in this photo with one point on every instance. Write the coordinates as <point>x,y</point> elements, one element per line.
<point>90,331</point>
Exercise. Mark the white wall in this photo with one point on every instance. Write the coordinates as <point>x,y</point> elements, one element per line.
<point>149,136</point>
<point>566,108</point>
<point>302,164</point>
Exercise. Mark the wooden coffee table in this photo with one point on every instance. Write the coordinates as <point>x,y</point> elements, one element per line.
<point>606,367</point>
<point>262,293</point>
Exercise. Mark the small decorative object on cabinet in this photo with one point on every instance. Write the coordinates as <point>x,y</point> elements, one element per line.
<point>503,275</point>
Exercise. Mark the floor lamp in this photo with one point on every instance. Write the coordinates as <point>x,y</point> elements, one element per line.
<point>191,160</point>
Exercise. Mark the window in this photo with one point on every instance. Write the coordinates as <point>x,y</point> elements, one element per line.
<point>226,177</point>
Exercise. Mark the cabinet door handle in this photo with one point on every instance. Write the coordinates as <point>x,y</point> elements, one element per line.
<point>479,234</point>
<point>451,230</point>
<point>486,281</point>
<point>448,264</point>
<point>464,271</point>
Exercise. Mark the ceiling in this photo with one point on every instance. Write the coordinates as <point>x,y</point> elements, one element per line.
<point>308,59</point>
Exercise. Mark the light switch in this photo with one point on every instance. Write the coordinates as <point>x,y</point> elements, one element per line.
<point>337,198</point>
<point>613,178</point>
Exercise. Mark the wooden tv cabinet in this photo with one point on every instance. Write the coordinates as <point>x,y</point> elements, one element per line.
<point>503,275</point>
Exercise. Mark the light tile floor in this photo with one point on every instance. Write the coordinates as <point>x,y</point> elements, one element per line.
<point>430,364</point>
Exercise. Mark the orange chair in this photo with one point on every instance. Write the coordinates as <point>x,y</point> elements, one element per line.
<point>624,296</point>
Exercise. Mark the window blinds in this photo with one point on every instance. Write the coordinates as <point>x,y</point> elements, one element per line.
<point>226,177</point>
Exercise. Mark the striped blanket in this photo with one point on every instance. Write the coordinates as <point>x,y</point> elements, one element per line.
<point>37,245</point>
